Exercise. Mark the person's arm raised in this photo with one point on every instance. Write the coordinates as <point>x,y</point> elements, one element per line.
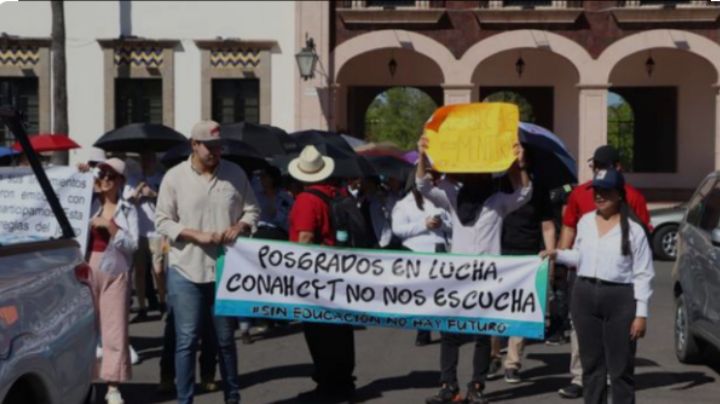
<point>423,181</point>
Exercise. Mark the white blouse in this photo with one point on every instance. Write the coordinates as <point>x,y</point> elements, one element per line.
<point>408,224</point>
<point>118,257</point>
<point>601,258</point>
<point>482,236</point>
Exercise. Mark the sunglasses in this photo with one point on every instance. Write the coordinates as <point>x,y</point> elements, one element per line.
<point>107,175</point>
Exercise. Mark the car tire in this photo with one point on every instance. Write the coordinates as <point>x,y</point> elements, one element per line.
<point>664,242</point>
<point>687,349</point>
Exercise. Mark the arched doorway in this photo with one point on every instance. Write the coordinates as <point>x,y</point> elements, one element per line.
<point>545,88</point>
<point>621,129</point>
<point>672,100</point>
<point>398,115</point>
<point>368,75</point>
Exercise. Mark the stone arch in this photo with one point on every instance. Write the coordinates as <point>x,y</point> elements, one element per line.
<point>389,39</point>
<point>525,39</point>
<point>657,39</point>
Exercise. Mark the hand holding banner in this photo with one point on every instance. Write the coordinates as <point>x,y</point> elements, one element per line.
<point>473,138</point>
<point>502,296</point>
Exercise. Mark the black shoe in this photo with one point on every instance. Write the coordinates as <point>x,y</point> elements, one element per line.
<point>475,394</point>
<point>162,308</point>
<point>571,391</point>
<point>512,376</point>
<point>141,317</point>
<point>449,393</point>
<point>494,369</point>
<point>246,338</point>
<point>556,340</point>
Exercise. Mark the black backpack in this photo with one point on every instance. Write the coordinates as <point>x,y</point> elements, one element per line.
<point>346,216</point>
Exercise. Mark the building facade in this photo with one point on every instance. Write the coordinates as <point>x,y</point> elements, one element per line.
<point>162,62</point>
<point>640,74</point>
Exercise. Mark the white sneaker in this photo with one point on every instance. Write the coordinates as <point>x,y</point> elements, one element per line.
<point>113,397</point>
<point>98,352</point>
<point>134,358</point>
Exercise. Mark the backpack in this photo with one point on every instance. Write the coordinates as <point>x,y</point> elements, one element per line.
<point>346,216</point>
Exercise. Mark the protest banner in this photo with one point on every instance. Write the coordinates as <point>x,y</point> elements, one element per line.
<point>25,214</point>
<point>494,295</point>
<point>473,138</point>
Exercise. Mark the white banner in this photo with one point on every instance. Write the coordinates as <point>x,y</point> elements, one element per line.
<point>25,213</point>
<point>456,293</point>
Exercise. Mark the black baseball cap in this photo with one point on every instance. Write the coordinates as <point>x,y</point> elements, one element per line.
<point>608,179</point>
<point>606,156</point>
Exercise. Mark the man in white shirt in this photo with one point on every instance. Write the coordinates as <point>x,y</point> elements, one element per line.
<point>203,203</point>
<point>477,213</point>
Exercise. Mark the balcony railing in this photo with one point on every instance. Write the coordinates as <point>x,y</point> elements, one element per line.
<point>390,4</point>
<point>530,4</point>
<point>669,3</point>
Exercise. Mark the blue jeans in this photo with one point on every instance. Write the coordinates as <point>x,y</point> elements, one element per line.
<point>208,351</point>
<point>192,304</point>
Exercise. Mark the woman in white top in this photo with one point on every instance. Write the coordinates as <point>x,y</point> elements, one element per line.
<point>610,298</point>
<point>422,227</point>
<point>113,240</point>
<point>419,224</point>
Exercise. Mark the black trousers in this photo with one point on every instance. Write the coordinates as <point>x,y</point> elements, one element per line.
<point>603,315</point>
<point>560,306</point>
<point>449,356</point>
<point>332,348</point>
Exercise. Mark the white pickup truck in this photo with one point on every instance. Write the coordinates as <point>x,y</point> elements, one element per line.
<point>48,331</point>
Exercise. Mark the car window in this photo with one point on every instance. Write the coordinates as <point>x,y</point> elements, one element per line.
<point>710,217</point>
<point>696,207</point>
<point>25,213</point>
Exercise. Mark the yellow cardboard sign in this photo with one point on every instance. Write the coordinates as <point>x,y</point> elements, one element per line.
<point>473,138</point>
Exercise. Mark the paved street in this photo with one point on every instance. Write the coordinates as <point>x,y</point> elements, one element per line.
<point>390,369</point>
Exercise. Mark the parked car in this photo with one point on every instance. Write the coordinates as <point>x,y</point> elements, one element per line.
<point>696,275</point>
<point>665,223</point>
<point>48,331</point>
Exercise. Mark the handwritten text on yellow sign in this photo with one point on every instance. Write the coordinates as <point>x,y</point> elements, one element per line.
<point>473,138</point>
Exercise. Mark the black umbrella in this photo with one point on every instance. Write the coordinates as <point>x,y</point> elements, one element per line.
<point>552,164</point>
<point>347,164</point>
<point>391,167</point>
<point>315,137</point>
<point>236,151</point>
<point>139,137</point>
<point>267,140</point>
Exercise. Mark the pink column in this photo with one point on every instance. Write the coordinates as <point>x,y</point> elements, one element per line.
<point>593,125</point>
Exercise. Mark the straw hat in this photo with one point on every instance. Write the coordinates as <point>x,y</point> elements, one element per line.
<point>311,166</point>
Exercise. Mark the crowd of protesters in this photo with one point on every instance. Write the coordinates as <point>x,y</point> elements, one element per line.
<point>163,232</point>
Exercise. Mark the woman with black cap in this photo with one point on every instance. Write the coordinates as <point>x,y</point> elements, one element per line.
<point>610,302</point>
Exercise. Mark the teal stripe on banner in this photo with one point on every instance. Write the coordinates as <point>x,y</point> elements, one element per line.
<point>303,312</point>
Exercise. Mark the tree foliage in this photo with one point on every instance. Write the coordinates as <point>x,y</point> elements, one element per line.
<point>511,97</point>
<point>621,132</point>
<point>398,115</point>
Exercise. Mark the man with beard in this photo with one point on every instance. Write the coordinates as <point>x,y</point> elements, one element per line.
<point>477,211</point>
<point>203,203</point>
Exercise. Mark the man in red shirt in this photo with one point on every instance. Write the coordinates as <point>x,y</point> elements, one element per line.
<point>331,346</point>
<point>580,202</point>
